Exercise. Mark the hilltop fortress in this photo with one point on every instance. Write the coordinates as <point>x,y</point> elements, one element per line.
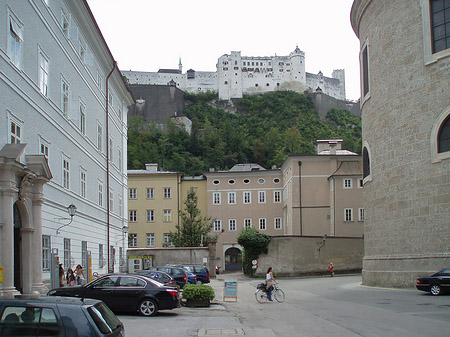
<point>237,75</point>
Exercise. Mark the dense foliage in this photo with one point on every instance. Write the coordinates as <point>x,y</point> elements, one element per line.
<point>254,243</point>
<point>264,129</point>
<point>198,292</point>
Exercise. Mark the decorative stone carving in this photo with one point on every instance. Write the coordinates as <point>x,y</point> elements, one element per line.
<point>25,184</point>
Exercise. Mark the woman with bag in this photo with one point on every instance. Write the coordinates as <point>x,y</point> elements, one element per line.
<point>269,280</point>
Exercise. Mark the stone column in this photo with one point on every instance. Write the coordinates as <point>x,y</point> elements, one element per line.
<point>27,253</point>
<point>38,286</point>
<point>212,258</point>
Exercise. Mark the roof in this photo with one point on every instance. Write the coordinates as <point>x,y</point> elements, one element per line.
<point>349,168</point>
<point>169,71</point>
<point>339,153</point>
<point>136,172</point>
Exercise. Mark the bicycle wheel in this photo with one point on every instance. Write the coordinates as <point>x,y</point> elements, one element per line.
<point>261,296</point>
<point>279,295</point>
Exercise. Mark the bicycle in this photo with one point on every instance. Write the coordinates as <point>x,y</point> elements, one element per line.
<point>261,293</point>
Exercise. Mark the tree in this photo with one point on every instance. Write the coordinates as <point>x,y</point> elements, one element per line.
<point>194,227</point>
<point>254,244</point>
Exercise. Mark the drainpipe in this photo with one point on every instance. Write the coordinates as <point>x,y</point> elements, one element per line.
<point>110,268</point>
<point>300,195</point>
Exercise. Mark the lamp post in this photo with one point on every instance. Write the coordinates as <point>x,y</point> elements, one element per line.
<point>71,209</point>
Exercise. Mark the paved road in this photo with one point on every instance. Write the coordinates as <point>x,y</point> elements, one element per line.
<point>337,306</point>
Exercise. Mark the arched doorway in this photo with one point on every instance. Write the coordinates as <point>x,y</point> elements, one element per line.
<point>17,249</point>
<point>233,259</point>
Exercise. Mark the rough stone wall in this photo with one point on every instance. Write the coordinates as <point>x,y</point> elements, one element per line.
<point>407,196</point>
<point>296,255</point>
<point>324,103</point>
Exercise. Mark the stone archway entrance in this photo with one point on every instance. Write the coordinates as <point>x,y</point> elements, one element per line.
<point>233,259</point>
<point>17,243</point>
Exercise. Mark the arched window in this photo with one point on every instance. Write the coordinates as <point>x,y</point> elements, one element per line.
<point>366,163</point>
<point>444,136</point>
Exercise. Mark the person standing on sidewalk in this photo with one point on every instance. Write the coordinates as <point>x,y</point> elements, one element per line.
<point>269,281</point>
<point>331,269</point>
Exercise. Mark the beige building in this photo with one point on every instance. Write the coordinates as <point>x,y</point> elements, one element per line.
<point>405,106</point>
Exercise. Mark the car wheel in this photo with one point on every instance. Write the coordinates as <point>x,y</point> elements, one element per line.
<point>435,289</point>
<point>147,307</point>
<point>199,282</point>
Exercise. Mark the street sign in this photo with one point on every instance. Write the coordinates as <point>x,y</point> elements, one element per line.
<point>254,262</point>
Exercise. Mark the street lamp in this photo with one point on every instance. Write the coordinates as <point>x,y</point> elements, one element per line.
<point>71,209</point>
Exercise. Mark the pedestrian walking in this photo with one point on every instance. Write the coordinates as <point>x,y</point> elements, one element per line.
<point>70,277</point>
<point>79,275</point>
<point>61,275</point>
<point>331,269</point>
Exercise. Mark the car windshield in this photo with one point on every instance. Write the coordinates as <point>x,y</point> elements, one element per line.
<point>189,269</point>
<point>104,318</point>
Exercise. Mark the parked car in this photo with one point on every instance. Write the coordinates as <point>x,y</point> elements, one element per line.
<point>178,274</point>
<point>436,283</point>
<point>58,316</point>
<point>126,293</point>
<point>160,276</point>
<point>201,272</point>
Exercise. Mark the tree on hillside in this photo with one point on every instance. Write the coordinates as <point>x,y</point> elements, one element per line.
<point>193,227</point>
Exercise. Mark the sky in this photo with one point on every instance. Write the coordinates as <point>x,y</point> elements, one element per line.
<point>146,35</point>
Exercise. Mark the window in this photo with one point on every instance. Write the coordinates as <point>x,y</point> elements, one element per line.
<point>231,181</point>
<point>247,223</point>
<point>132,240</point>
<point>440,24</point>
<point>83,183</point>
<point>110,98</point>
<point>232,198</point>
<point>82,51</point>
<point>366,162</point>
<point>360,183</point>
<point>66,173</point>
<point>262,224</point>
<point>246,181</point>
<point>150,240</point>
<point>150,215</point>
<point>100,194</point>
<point>120,159</point>
<point>167,242</point>
<point>99,80</point>
<point>65,24</point>
<point>247,197</point>
<point>111,201</point>
<point>361,214</point>
<point>277,223</point>
<point>45,252</point>
<point>43,73</point>
<point>232,225</point>
<point>132,215</point>
<point>166,193</point>
<point>43,147</point>
<point>150,193</point>
<point>132,193</point>
<point>120,205</point>
<point>262,197</point>
<point>101,263</point>
<point>348,183</point>
<point>167,215</point>
<point>216,198</point>
<point>82,118</point>
<point>261,181</point>
<point>15,132</point>
<point>348,214</point>
<point>444,135</point>
<point>67,253</point>
<point>15,40</point>
<point>111,149</point>
<point>276,196</point>
<point>99,137</point>
<point>364,59</point>
<point>216,182</point>
<point>217,225</point>
<point>64,97</point>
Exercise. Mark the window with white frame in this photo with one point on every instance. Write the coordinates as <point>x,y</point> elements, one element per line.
<point>120,205</point>
<point>111,201</point>
<point>360,183</point>
<point>217,225</point>
<point>216,198</point>
<point>100,194</point>
<point>82,118</point>
<point>46,248</point>
<point>65,97</point>
<point>167,215</point>
<point>262,197</point>
<point>262,224</point>
<point>277,223</point>
<point>66,173</point>
<point>84,253</point>
<point>150,240</point>
<point>247,223</point>
<point>99,137</point>
<point>440,24</point>
<point>348,183</point>
<point>364,60</point>
<point>15,130</point>
<point>247,196</point>
<point>111,149</point>
<point>99,80</point>
<point>66,253</point>
<point>15,40</point>
<point>65,24</point>
<point>83,183</point>
<point>100,256</point>
<point>348,214</point>
<point>150,193</point>
<point>43,147</point>
<point>232,225</point>
<point>361,214</point>
<point>82,51</point>
<point>132,240</point>
<point>232,198</point>
<point>276,197</point>
<point>110,98</point>
<point>167,242</point>
<point>119,151</point>
<point>132,215</point>
<point>132,193</point>
<point>167,193</point>
<point>43,73</point>
<point>150,215</point>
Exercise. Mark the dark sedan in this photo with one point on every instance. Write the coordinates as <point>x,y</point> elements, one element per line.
<point>436,283</point>
<point>159,276</point>
<point>126,293</point>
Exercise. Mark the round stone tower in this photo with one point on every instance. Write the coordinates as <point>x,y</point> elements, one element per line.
<point>405,107</point>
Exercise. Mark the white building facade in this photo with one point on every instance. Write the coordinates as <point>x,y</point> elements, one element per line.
<point>237,75</point>
<point>62,142</point>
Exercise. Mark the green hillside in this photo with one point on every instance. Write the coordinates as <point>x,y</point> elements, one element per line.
<point>264,130</point>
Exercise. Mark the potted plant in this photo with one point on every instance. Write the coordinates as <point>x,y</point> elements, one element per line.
<point>198,295</point>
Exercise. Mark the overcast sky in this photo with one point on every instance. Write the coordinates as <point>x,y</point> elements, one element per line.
<point>146,35</point>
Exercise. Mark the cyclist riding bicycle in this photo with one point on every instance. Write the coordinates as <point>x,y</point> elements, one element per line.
<point>269,281</point>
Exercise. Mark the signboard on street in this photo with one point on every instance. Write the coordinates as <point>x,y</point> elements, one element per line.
<point>230,289</point>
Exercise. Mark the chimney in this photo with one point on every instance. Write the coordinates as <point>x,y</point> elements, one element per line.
<point>211,169</point>
<point>153,167</point>
<point>332,148</point>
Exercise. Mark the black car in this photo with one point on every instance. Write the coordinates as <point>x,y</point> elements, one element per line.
<point>436,283</point>
<point>177,273</point>
<point>126,293</point>
<point>58,316</point>
<point>160,276</point>
<point>201,272</point>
